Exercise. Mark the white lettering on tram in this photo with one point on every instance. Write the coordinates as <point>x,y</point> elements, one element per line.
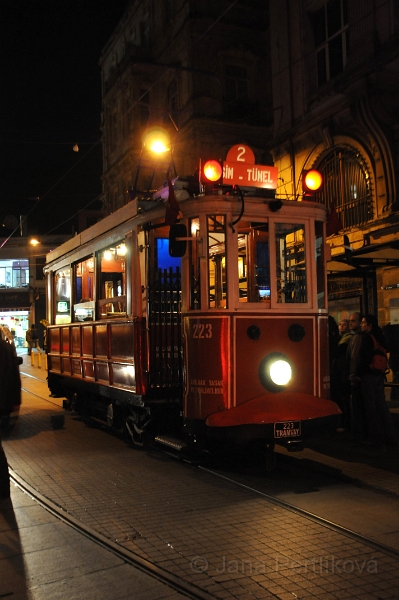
<point>287,432</point>
<point>207,390</point>
<point>228,172</point>
<point>258,175</point>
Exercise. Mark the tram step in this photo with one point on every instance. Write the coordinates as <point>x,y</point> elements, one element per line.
<point>171,442</point>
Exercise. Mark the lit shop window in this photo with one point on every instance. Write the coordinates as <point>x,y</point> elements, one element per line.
<point>14,273</point>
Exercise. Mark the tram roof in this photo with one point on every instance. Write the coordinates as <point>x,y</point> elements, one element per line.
<point>113,223</point>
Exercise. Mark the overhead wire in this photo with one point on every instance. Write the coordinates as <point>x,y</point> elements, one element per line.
<point>156,82</point>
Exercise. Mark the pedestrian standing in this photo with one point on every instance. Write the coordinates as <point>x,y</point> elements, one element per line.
<point>380,427</point>
<point>10,397</point>
<point>391,336</point>
<point>339,383</point>
<point>32,337</point>
<point>333,339</point>
<point>357,414</point>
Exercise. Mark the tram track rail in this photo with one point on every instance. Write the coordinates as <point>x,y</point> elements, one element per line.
<point>171,580</point>
<point>175,583</point>
<point>309,515</point>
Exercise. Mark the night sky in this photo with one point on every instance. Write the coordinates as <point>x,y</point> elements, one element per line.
<point>50,99</point>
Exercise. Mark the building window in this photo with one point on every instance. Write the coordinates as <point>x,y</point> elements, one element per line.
<point>168,11</point>
<point>347,186</point>
<point>113,129</point>
<point>173,102</point>
<point>330,24</point>
<point>236,81</point>
<point>144,100</point>
<point>14,273</point>
<point>237,105</point>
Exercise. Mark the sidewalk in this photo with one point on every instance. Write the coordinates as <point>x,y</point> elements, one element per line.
<point>41,558</point>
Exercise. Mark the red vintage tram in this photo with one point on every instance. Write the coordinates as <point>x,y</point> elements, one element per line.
<point>213,328</point>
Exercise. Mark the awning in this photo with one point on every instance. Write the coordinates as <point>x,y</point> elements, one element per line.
<point>365,259</point>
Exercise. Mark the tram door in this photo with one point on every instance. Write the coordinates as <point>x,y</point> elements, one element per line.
<point>164,319</point>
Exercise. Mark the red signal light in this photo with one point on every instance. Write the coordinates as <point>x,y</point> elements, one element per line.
<point>312,182</point>
<point>212,171</point>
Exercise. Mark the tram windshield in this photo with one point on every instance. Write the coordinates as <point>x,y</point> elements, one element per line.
<point>253,262</point>
<point>290,263</point>
<point>217,271</point>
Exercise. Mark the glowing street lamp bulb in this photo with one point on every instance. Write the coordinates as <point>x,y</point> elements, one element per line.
<point>157,140</point>
<point>158,146</point>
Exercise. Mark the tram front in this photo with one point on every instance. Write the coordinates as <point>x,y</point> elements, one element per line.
<point>255,321</point>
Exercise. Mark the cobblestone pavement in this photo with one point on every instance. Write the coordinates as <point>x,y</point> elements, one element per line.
<point>224,539</point>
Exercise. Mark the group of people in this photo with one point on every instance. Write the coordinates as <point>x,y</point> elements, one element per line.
<point>356,386</point>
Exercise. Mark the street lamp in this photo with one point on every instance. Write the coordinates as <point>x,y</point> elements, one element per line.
<point>157,141</point>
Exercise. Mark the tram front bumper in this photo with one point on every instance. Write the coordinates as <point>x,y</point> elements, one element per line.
<point>275,408</point>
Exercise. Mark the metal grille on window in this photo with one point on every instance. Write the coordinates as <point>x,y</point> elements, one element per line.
<point>347,185</point>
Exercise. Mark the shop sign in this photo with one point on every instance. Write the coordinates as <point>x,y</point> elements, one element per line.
<point>14,299</point>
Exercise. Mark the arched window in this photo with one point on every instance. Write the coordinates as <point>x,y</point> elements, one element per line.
<point>347,185</point>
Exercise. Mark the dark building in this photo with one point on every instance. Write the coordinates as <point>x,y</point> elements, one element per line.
<point>199,69</point>
<point>335,67</point>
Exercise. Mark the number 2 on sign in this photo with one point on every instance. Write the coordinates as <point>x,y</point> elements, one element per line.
<point>202,330</point>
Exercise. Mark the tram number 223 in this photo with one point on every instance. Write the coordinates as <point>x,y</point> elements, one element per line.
<point>202,330</point>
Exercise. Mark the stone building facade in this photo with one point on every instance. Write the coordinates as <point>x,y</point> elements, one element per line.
<point>335,70</point>
<point>304,83</point>
<point>201,70</point>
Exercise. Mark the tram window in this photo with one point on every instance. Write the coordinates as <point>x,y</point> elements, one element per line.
<point>164,260</point>
<point>62,296</point>
<point>253,262</point>
<point>195,282</point>
<point>112,295</point>
<point>217,272</point>
<point>320,267</point>
<point>291,263</point>
<point>84,280</point>
<point>84,271</point>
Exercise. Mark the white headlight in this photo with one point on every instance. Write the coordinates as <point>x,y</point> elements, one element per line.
<point>280,372</point>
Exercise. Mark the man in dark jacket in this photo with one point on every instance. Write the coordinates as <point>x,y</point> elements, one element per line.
<point>380,426</point>
<point>10,397</point>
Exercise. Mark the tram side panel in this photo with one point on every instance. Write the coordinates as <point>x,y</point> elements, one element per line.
<point>109,355</point>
